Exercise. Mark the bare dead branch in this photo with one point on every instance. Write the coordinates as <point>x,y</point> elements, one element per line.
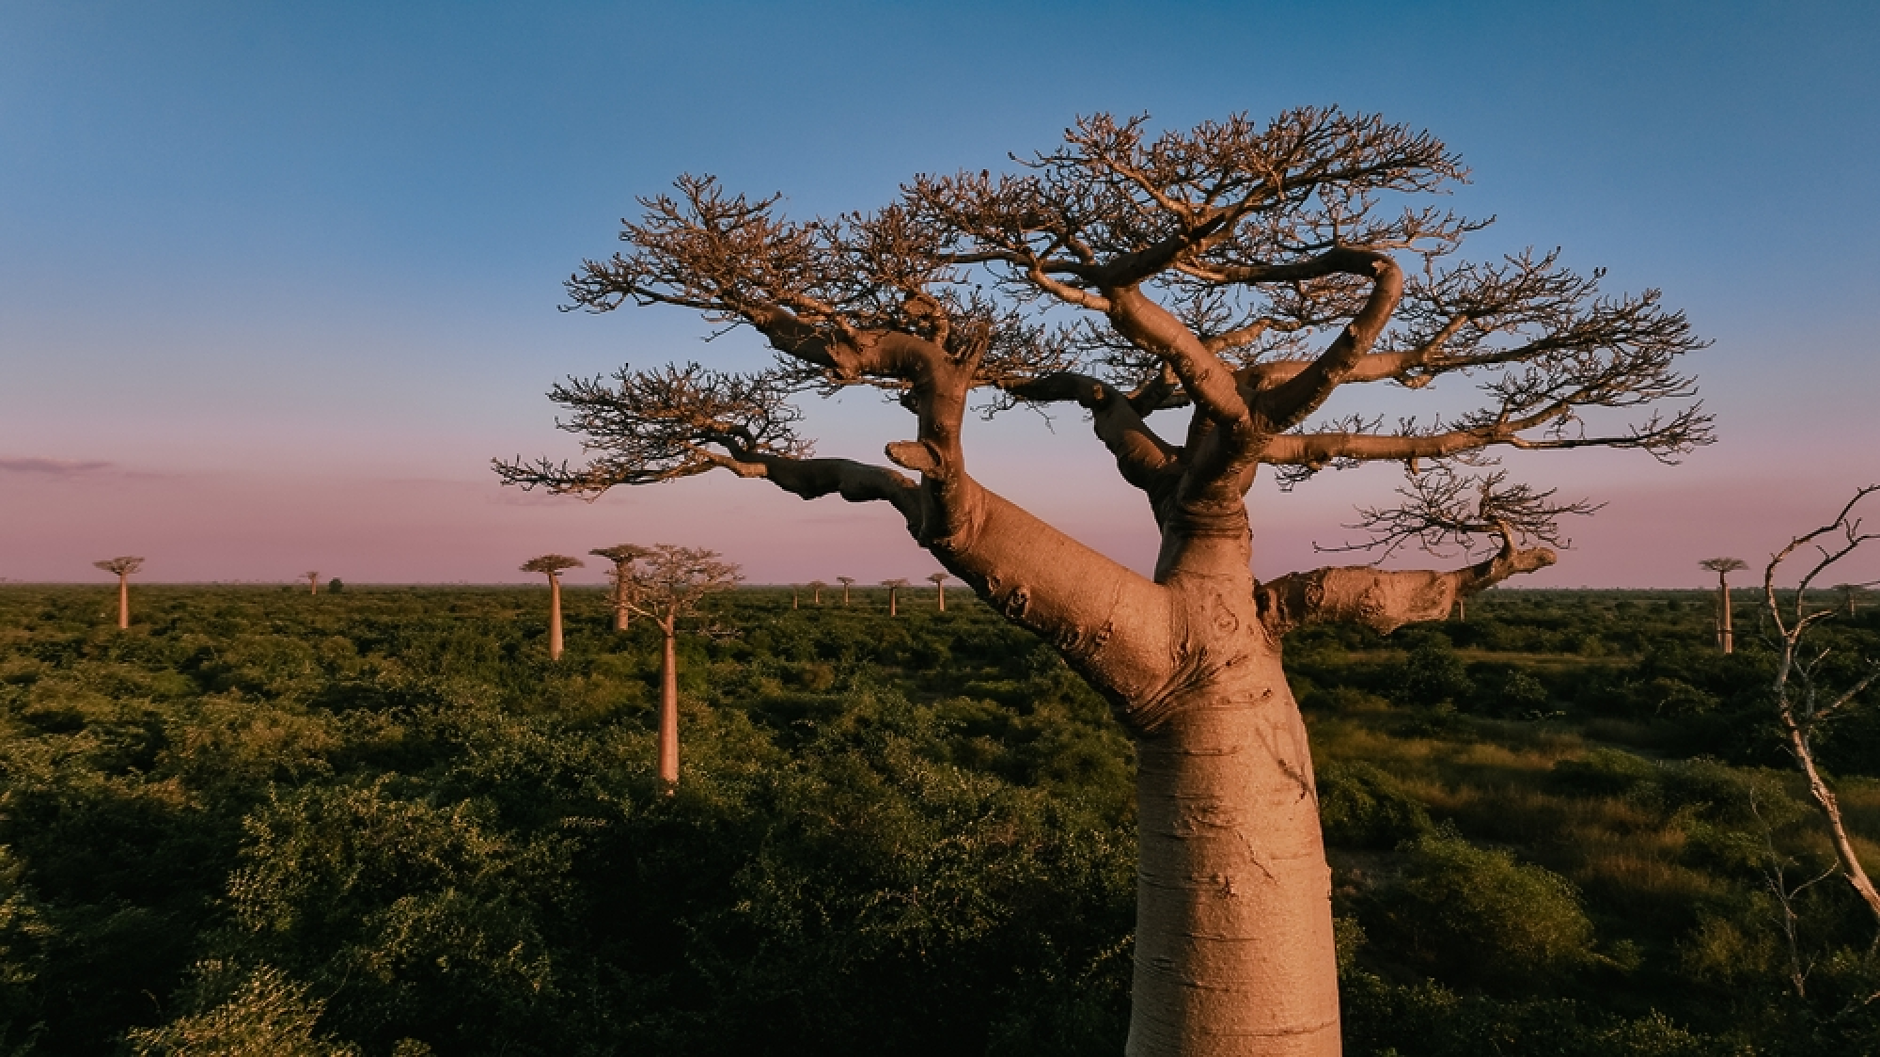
<point>1442,509</point>
<point>1795,689</point>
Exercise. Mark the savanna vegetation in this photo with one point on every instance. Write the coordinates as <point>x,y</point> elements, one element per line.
<point>382,822</point>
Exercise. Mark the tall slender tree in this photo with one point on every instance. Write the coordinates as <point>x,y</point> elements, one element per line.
<point>1238,275</point>
<point>623,555</point>
<point>123,566</point>
<point>553,565</point>
<point>1723,567</point>
<point>313,582</point>
<point>939,581</point>
<point>1849,595</point>
<point>669,583</point>
<point>816,590</point>
<point>894,592</point>
<point>846,582</point>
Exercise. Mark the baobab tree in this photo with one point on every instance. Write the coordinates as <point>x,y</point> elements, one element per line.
<point>939,581</point>
<point>123,566</point>
<point>622,555</point>
<point>669,584</point>
<point>1723,567</point>
<point>1236,276</point>
<point>1849,594</point>
<point>553,565</point>
<point>313,582</point>
<point>894,592</point>
<point>1802,703</point>
<point>815,592</point>
<point>846,582</point>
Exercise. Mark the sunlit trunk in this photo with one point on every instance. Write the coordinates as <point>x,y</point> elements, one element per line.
<point>124,600</point>
<point>1726,638</point>
<point>554,618</point>
<point>1234,951</point>
<point>891,598</point>
<point>669,712</point>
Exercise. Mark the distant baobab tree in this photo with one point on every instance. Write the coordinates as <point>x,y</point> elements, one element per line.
<point>123,567</point>
<point>894,592</point>
<point>623,555</point>
<point>1850,597</point>
<point>795,592</point>
<point>669,583</point>
<point>1803,703</point>
<point>313,582</point>
<point>939,581</point>
<point>816,590</point>
<point>1723,567</point>
<point>1242,278</point>
<point>553,565</point>
<point>846,582</point>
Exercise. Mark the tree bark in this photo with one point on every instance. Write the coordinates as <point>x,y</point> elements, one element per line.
<point>124,600</point>
<point>1830,810</point>
<point>554,617</point>
<point>1726,636</point>
<point>669,710</point>
<point>620,601</point>
<point>1234,949</point>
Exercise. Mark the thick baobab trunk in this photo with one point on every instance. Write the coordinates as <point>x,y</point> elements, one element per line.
<point>554,618</point>
<point>891,598</point>
<point>1234,949</point>
<point>1726,637</point>
<point>124,600</point>
<point>669,713</point>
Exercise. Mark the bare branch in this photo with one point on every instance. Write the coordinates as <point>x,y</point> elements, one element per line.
<point>1794,688</point>
<point>661,425</point>
<point>1443,509</point>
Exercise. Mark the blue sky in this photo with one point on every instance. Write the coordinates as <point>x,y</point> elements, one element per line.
<point>276,281</point>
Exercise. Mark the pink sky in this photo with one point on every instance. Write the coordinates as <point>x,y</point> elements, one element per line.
<point>276,282</point>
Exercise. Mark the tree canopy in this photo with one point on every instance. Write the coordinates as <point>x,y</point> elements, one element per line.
<point>1242,272</point>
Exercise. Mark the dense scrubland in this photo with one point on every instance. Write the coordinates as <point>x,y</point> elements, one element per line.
<point>382,822</point>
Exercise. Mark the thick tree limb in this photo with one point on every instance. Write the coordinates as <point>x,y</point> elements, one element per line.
<point>1385,600</point>
<point>1143,458</point>
<point>1288,403</point>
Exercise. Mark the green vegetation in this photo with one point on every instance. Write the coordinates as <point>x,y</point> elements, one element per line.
<point>382,823</point>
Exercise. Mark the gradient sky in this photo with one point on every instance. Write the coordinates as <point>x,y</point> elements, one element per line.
<point>278,280</point>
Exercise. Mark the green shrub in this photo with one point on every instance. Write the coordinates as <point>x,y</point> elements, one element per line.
<point>1360,806</point>
<point>1475,916</point>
